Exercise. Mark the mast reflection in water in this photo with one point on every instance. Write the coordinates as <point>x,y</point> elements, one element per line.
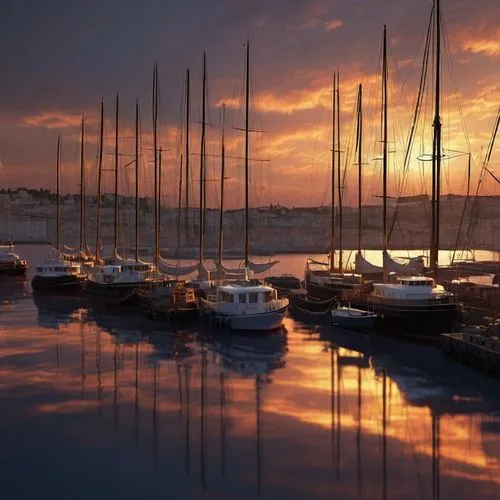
<point>98,405</point>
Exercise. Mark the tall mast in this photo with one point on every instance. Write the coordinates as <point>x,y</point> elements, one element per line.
<point>222,175</point>
<point>115,251</point>
<point>332,237</point>
<point>339,176</point>
<point>160,154</point>
<point>186,154</point>
<point>436,146</point>
<point>359,139</point>
<point>384,138</point>
<point>99,179</point>
<point>155,140</point>
<point>202,158</point>
<point>82,186</point>
<point>247,105</point>
<point>137,180</point>
<point>179,203</point>
<point>58,191</point>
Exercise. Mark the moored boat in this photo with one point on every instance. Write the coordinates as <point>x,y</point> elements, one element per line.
<point>353,318</point>
<point>414,304</point>
<point>120,282</point>
<point>284,283</point>
<point>172,300</point>
<point>245,306</point>
<point>324,283</point>
<point>56,274</point>
<point>304,303</point>
<point>10,263</point>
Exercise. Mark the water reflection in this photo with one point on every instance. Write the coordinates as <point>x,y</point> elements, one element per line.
<point>246,357</point>
<point>11,290</point>
<point>310,412</point>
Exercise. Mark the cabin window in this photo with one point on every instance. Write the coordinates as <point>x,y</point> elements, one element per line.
<point>243,298</point>
<point>268,296</point>
<point>230,298</point>
<point>39,269</point>
<point>253,298</point>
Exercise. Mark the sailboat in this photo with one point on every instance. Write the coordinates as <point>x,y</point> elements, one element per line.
<point>82,253</point>
<point>245,304</point>
<point>120,281</point>
<point>56,272</point>
<point>10,262</point>
<point>323,280</point>
<point>415,265</point>
<point>416,303</point>
<point>248,265</point>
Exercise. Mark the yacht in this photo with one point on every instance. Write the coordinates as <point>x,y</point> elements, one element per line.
<point>414,304</point>
<point>323,283</point>
<point>10,263</point>
<point>122,280</point>
<point>245,305</point>
<point>58,274</point>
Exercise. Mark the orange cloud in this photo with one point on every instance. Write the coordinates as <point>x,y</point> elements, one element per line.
<point>56,119</point>
<point>334,24</point>
<point>486,46</point>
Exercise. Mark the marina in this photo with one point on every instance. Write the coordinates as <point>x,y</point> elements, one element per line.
<point>100,391</point>
<point>205,307</point>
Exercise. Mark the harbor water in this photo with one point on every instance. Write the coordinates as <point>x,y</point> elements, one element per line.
<point>105,403</point>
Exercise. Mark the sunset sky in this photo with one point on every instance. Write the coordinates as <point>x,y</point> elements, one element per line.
<point>59,57</point>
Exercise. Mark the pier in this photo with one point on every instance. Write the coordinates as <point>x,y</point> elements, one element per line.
<point>476,350</point>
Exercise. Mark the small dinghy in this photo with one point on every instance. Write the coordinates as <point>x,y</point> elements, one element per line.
<point>352,318</point>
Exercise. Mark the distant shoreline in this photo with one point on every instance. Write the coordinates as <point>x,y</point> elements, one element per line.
<point>259,253</point>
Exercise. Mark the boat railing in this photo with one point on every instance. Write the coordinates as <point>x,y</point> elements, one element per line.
<point>274,305</point>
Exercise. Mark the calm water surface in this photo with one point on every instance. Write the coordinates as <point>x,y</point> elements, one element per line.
<point>105,404</point>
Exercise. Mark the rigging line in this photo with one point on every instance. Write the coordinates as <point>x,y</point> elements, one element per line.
<point>474,208</point>
<point>454,82</point>
<point>416,116</point>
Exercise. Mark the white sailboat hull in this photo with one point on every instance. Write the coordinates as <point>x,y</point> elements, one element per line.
<point>258,322</point>
<point>250,322</point>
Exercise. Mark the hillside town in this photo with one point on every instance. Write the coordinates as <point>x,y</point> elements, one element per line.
<point>29,216</point>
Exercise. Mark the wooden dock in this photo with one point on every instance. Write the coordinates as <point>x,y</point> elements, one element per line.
<point>476,350</point>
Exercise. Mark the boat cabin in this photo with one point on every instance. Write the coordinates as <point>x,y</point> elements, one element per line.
<point>408,287</point>
<point>253,295</point>
<point>416,281</point>
<point>58,268</point>
<point>137,267</point>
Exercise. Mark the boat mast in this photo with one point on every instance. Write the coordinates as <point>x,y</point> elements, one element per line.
<point>82,185</point>
<point>222,175</point>
<point>58,191</point>
<point>339,177</point>
<point>137,180</point>
<point>436,147</point>
<point>115,252</point>
<point>179,203</point>
<point>359,148</point>
<point>384,139</point>
<point>202,158</point>
<point>99,179</point>
<point>155,140</point>
<point>332,236</point>
<point>247,105</point>
<point>160,154</point>
<point>186,154</point>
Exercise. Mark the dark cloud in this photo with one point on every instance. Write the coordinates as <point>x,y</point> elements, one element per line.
<point>61,56</point>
